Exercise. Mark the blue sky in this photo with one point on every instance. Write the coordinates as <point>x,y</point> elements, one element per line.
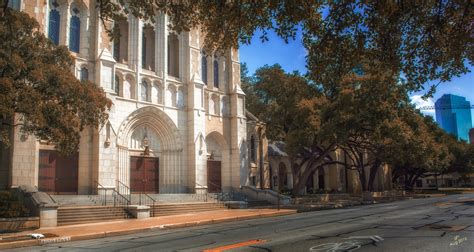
<point>291,57</point>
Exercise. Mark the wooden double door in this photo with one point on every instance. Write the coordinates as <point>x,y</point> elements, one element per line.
<point>56,173</point>
<point>214,183</point>
<point>144,174</point>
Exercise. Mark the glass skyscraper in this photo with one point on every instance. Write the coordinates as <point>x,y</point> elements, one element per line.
<point>453,114</point>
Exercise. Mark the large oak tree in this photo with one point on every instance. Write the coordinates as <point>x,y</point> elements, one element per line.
<point>39,93</point>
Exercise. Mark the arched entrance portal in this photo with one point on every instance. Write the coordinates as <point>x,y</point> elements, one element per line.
<point>144,147</point>
<point>218,175</point>
<point>149,154</point>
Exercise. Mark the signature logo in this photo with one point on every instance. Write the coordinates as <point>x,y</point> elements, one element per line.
<point>458,240</point>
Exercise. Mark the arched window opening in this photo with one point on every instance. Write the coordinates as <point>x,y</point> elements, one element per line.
<point>173,55</point>
<point>216,73</point>
<point>144,91</point>
<point>121,43</point>
<point>117,85</point>
<point>54,23</point>
<point>204,67</point>
<point>75,31</point>
<point>253,149</point>
<point>148,47</point>
<point>84,74</point>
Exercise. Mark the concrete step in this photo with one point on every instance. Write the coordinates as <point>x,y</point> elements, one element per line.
<point>173,209</point>
<point>87,214</point>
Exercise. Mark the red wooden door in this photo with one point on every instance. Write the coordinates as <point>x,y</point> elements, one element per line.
<point>136,174</point>
<point>214,176</point>
<point>144,174</point>
<point>151,175</point>
<point>47,171</point>
<point>57,174</point>
<point>66,174</point>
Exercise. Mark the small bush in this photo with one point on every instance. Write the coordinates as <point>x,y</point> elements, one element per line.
<point>12,205</point>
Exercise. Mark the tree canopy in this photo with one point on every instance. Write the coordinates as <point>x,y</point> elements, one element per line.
<point>39,93</point>
<point>420,41</point>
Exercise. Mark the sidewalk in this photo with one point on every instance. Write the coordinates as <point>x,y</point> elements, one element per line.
<point>122,227</point>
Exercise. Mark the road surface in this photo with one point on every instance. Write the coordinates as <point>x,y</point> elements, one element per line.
<point>431,224</point>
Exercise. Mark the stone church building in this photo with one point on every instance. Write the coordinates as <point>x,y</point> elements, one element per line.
<point>178,122</point>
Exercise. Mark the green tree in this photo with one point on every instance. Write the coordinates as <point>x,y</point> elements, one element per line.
<point>286,102</point>
<point>420,151</point>
<point>38,92</point>
<point>421,40</point>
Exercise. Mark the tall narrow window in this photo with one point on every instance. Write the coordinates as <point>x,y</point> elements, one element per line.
<point>143,49</point>
<point>75,31</point>
<point>173,55</point>
<point>204,67</point>
<point>144,91</point>
<point>117,85</point>
<point>216,73</point>
<point>117,46</point>
<point>84,74</point>
<point>54,22</point>
<point>121,42</point>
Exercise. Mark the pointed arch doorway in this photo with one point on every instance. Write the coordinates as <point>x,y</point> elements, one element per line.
<point>218,178</point>
<point>144,162</point>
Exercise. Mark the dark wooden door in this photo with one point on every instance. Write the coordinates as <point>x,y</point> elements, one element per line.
<point>144,174</point>
<point>151,175</point>
<point>47,171</point>
<point>137,175</point>
<point>214,183</point>
<point>57,173</point>
<point>66,174</point>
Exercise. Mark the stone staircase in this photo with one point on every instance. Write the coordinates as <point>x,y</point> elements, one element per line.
<point>86,214</point>
<point>78,209</point>
<point>166,209</point>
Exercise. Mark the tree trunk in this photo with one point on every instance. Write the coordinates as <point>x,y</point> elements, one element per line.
<point>372,175</point>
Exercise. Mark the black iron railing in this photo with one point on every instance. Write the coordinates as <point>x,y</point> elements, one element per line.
<point>146,200</point>
<point>104,194</point>
<point>124,190</point>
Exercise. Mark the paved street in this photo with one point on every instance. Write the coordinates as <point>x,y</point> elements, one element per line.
<point>433,224</point>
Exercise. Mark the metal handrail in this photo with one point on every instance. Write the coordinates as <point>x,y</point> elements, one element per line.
<point>102,198</point>
<point>147,202</point>
<point>120,185</point>
<point>197,184</point>
<point>265,192</point>
<point>220,197</point>
<point>120,200</point>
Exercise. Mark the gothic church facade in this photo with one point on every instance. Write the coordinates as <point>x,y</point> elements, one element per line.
<point>177,124</point>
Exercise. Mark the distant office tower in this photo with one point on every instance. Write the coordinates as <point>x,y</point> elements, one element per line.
<point>471,136</point>
<point>453,114</point>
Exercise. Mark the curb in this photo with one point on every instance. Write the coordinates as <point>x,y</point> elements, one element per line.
<point>60,239</point>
